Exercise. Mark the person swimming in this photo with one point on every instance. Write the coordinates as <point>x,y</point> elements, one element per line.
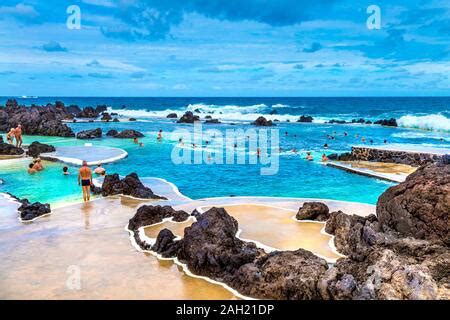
<point>258,152</point>
<point>309,157</point>
<point>180,141</point>
<point>385,141</point>
<point>11,135</point>
<point>85,180</point>
<point>345,134</point>
<point>18,135</point>
<point>324,157</point>
<point>371,141</point>
<point>31,169</point>
<point>293,150</point>
<point>135,140</point>
<point>325,146</point>
<point>100,170</point>
<point>37,165</point>
<point>159,134</point>
<point>141,144</point>
<point>65,171</point>
<point>363,139</point>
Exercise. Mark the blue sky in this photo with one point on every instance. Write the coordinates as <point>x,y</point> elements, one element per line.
<point>224,48</point>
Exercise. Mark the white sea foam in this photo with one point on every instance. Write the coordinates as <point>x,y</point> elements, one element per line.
<point>227,113</point>
<point>432,122</point>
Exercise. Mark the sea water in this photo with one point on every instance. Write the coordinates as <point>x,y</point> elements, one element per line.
<point>423,122</point>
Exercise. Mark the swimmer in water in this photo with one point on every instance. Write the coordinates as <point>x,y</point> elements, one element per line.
<point>309,157</point>
<point>38,165</point>
<point>324,158</point>
<point>371,141</point>
<point>180,141</point>
<point>99,170</point>
<point>363,139</point>
<point>345,134</point>
<point>258,152</point>
<point>135,140</point>
<point>325,146</point>
<point>385,141</point>
<point>31,169</point>
<point>293,150</point>
<point>65,171</point>
<point>159,134</point>
<point>141,144</point>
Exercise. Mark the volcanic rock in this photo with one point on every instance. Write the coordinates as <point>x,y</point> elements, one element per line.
<point>313,211</point>
<point>130,186</point>
<point>36,148</point>
<point>263,122</point>
<point>90,134</point>
<point>129,134</point>
<point>188,117</point>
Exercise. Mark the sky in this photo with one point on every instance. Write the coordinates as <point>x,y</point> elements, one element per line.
<point>224,48</point>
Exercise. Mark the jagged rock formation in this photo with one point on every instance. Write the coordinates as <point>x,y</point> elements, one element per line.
<point>90,134</point>
<point>313,211</point>
<point>263,122</point>
<point>130,186</point>
<point>45,120</point>
<point>29,211</point>
<point>36,148</point>
<point>188,117</point>
<point>128,134</point>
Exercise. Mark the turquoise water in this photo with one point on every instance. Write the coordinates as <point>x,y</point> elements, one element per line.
<point>296,177</point>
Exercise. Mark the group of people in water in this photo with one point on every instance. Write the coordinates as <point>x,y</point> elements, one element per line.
<point>15,134</point>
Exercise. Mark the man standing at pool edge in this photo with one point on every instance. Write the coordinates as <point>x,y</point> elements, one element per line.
<point>85,179</point>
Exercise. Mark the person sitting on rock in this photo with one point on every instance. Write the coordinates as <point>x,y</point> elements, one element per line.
<point>18,134</point>
<point>31,169</point>
<point>99,170</point>
<point>11,135</point>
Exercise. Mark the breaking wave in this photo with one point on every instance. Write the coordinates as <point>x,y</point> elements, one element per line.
<point>432,122</point>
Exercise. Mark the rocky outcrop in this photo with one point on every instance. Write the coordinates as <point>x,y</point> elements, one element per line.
<point>172,116</point>
<point>263,122</point>
<point>106,117</point>
<point>130,186</point>
<point>88,112</point>
<point>112,133</point>
<point>35,120</point>
<point>210,246</point>
<point>148,215</point>
<point>420,206</point>
<point>313,211</point>
<point>29,211</point>
<point>128,134</point>
<point>387,122</point>
<point>282,275</point>
<point>73,109</point>
<point>188,117</point>
<point>36,148</point>
<point>90,134</point>
<point>7,149</point>
<point>305,119</point>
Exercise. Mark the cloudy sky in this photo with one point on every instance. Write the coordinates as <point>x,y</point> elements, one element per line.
<point>224,48</point>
